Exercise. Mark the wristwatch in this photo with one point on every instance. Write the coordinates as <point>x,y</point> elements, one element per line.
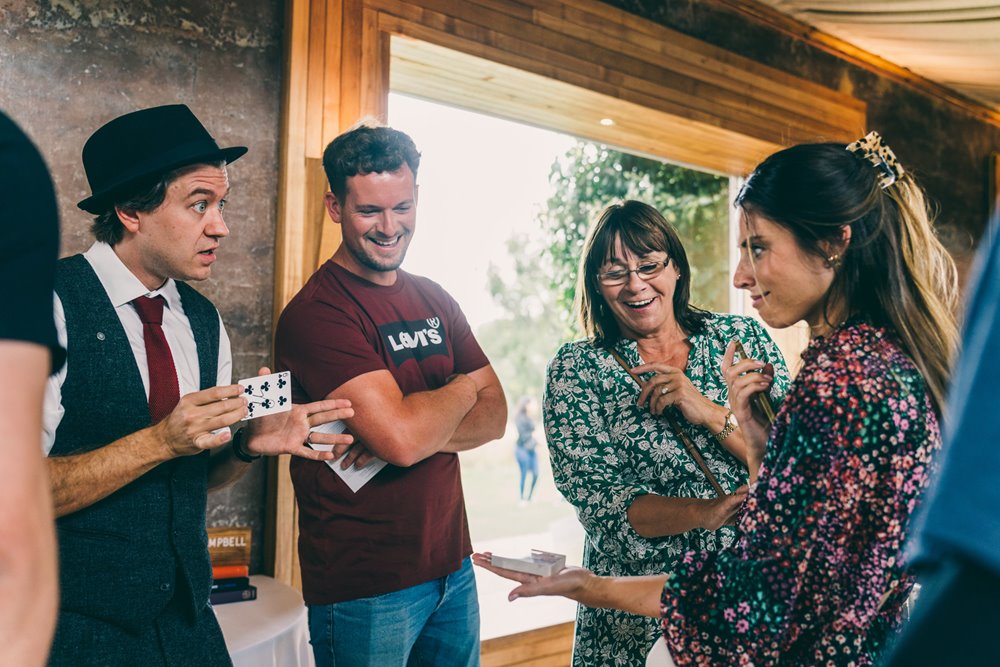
<point>239,451</point>
<point>731,425</point>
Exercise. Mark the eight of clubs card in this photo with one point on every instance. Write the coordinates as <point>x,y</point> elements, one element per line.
<point>267,394</point>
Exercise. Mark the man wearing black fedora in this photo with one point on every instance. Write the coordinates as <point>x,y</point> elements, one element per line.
<point>136,421</point>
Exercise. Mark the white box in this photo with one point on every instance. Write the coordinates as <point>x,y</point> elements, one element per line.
<point>542,563</point>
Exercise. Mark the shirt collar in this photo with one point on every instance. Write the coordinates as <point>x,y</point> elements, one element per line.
<point>120,283</point>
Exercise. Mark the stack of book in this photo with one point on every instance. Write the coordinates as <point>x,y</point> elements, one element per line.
<point>229,549</point>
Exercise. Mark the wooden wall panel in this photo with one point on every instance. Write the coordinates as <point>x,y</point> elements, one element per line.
<point>617,54</point>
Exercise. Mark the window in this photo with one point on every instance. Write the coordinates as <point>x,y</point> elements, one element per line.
<point>504,209</point>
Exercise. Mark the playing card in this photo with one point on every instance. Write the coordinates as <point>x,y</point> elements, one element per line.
<point>354,476</point>
<point>267,394</point>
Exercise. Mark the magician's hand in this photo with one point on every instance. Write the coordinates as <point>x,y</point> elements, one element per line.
<point>191,426</point>
<point>289,432</point>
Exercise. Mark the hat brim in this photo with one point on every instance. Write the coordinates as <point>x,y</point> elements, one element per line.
<point>99,202</point>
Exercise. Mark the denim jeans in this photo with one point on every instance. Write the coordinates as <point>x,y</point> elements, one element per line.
<point>435,624</point>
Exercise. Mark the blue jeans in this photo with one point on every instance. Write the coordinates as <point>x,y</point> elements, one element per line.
<point>435,624</point>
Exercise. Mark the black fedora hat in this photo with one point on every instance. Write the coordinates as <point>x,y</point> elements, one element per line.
<point>143,145</point>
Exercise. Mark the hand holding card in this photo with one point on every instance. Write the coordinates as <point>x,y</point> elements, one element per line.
<point>355,477</point>
<point>280,427</point>
<point>267,394</point>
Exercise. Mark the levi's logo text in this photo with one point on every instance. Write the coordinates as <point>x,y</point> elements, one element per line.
<point>417,339</point>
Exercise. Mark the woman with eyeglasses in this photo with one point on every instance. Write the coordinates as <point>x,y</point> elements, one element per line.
<point>841,239</point>
<point>614,433</point>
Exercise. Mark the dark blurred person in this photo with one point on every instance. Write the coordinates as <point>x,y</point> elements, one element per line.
<point>29,247</point>
<point>956,616</point>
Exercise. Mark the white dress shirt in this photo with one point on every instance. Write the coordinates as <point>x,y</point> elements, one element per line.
<point>122,287</point>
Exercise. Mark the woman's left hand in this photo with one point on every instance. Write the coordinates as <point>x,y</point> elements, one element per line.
<point>671,387</point>
<point>570,582</point>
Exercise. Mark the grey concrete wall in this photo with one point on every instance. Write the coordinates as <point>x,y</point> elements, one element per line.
<point>68,66</point>
<point>945,147</point>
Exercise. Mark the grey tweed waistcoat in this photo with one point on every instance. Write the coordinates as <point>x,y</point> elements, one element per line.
<point>124,558</point>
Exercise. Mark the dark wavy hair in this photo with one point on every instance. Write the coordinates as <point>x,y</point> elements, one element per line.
<point>642,229</point>
<point>366,149</point>
<point>894,271</point>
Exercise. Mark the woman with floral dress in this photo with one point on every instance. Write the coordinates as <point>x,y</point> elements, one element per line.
<point>641,498</point>
<point>841,239</point>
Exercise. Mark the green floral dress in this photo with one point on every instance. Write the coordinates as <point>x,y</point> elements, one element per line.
<point>606,451</point>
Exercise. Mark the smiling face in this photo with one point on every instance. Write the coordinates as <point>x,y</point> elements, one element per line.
<point>642,307</point>
<point>179,238</point>
<point>785,283</point>
<point>377,220</point>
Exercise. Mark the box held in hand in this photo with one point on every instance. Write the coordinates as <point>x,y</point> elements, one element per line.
<point>542,563</point>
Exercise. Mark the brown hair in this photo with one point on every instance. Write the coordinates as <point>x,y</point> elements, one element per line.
<point>894,271</point>
<point>642,229</point>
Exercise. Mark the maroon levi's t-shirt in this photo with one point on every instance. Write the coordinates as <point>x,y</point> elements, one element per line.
<point>406,526</point>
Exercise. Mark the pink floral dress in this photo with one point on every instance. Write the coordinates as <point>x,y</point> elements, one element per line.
<point>815,576</point>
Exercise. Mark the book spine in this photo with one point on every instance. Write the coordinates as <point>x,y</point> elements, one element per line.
<point>234,584</point>
<point>230,571</point>
<point>225,597</point>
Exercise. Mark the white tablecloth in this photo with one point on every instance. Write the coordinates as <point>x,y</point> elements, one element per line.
<point>271,631</point>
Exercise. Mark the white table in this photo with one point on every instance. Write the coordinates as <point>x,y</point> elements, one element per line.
<point>271,631</point>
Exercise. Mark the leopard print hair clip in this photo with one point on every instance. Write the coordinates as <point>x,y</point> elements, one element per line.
<point>875,150</point>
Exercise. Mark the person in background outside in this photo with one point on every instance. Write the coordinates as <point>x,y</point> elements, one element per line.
<point>524,447</point>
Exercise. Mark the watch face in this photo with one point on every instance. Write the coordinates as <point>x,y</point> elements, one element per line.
<point>731,420</point>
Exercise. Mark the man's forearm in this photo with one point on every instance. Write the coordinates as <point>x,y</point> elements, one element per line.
<point>635,595</point>
<point>28,575</point>
<point>80,480</point>
<point>224,468</point>
<point>483,423</point>
<point>431,419</point>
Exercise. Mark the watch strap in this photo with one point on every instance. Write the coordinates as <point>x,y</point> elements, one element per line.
<point>238,449</point>
<point>730,426</point>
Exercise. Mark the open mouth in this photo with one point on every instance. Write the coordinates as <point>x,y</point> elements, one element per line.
<point>386,243</point>
<point>636,305</point>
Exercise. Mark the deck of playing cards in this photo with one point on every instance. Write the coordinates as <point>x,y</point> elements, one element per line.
<point>267,394</point>
<point>542,563</point>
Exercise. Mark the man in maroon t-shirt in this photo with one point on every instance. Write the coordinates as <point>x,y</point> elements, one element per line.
<point>385,569</point>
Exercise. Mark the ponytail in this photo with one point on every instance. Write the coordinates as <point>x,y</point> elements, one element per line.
<point>923,298</point>
<point>894,271</point>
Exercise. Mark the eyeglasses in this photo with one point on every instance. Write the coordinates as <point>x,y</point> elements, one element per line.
<point>646,271</point>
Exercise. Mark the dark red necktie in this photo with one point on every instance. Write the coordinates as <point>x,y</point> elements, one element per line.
<point>163,390</point>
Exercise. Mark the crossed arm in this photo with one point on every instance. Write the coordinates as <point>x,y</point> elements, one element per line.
<point>468,411</point>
